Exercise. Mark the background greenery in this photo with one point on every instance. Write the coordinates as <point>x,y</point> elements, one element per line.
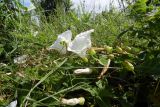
<point>136,27</point>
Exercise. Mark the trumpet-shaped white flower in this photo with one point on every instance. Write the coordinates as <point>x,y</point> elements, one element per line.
<point>82,71</point>
<point>13,104</point>
<point>61,42</point>
<point>81,43</point>
<point>73,101</point>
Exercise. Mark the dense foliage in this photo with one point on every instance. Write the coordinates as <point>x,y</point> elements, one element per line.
<point>124,57</point>
<point>7,18</point>
<point>50,6</point>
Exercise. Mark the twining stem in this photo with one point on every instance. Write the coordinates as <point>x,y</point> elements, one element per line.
<point>104,69</point>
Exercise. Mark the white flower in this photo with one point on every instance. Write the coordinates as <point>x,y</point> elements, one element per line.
<point>21,59</point>
<point>59,43</point>
<point>81,43</point>
<point>82,71</point>
<point>73,101</point>
<point>13,104</point>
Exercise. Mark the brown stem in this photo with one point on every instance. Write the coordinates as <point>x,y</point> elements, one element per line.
<point>104,69</point>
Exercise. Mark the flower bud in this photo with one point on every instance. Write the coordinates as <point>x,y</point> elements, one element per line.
<point>73,101</point>
<point>128,48</point>
<point>128,66</point>
<point>81,101</point>
<point>82,71</point>
<point>91,51</point>
<point>119,50</point>
<point>108,49</point>
<point>85,59</point>
<point>110,56</point>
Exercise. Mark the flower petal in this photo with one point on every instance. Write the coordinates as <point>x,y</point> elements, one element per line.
<point>66,36</point>
<point>58,44</point>
<point>81,43</point>
<point>13,104</point>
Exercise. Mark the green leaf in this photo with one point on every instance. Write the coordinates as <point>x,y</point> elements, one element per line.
<point>103,60</point>
<point>1,4</point>
<point>100,84</point>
